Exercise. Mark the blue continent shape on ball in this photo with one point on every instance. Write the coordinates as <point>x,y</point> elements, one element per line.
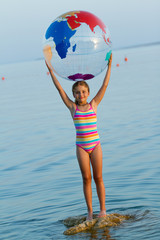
<point>61,37</point>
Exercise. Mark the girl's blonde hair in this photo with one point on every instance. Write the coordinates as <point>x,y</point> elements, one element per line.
<point>79,83</point>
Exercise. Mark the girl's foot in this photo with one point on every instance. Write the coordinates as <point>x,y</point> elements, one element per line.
<point>89,216</point>
<point>102,214</point>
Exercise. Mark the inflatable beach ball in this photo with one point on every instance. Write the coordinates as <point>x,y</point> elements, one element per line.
<point>77,45</point>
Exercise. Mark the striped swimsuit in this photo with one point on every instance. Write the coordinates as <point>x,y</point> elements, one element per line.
<point>86,129</point>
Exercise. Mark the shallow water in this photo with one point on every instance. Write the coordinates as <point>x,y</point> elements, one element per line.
<point>40,181</point>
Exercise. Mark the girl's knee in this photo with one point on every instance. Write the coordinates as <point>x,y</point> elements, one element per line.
<point>87,179</point>
<point>98,179</point>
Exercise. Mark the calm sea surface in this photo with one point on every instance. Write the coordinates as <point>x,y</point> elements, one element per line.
<point>40,180</point>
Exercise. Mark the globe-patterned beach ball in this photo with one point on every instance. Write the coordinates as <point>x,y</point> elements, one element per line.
<point>77,45</point>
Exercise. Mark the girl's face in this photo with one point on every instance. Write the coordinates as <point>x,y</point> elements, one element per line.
<point>81,94</point>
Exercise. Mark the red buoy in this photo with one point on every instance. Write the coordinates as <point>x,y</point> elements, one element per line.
<point>126,59</point>
<point>117,64</point>
<point>3,78</point>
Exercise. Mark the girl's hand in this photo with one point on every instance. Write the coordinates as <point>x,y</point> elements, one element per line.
<point>110,61</point>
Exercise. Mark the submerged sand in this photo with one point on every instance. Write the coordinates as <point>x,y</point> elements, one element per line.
<point>79,223</point>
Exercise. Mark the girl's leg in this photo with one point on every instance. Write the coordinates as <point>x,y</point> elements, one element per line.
<point>84,163</point>
<point>96,160</point>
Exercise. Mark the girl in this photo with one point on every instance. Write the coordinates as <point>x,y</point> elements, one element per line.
<point>88,147</point>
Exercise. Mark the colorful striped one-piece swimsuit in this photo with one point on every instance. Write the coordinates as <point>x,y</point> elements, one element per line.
<point>86,129</point>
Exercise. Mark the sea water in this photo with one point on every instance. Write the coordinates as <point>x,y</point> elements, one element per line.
<point>40,180</point>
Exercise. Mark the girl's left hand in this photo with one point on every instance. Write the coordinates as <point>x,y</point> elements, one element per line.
<point>110,61</point>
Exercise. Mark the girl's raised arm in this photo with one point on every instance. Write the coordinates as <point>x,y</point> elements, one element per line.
<point>97,99</point>
<point>67,101</point>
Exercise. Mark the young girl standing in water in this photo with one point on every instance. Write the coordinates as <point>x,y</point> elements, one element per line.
<point>88,147</point>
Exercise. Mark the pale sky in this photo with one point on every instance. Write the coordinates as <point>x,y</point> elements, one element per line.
<point>24,22</point>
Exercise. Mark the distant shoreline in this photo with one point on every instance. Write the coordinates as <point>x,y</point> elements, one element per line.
<point>114,49</point>
<point>138,45</point>
<point>125,47</point>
